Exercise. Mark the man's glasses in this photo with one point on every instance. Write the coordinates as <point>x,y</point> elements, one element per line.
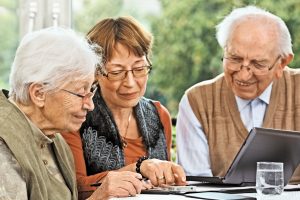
<point>121,74</point>
<point>87,96</point>
<point>236,64</point>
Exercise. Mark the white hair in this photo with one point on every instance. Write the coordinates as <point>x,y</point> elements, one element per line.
<point>224,29</point>
<point>51,56</point>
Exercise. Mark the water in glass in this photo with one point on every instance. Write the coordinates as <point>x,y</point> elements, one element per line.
<point>269,179</point>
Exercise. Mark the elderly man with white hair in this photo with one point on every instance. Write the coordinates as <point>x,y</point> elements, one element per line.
<point>51,90</point>
<point>257,89</point>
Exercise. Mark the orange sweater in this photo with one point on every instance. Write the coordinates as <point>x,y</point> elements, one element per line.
<point>132,152</point>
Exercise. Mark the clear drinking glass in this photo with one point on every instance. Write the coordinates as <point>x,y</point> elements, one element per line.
<point>269,178</point>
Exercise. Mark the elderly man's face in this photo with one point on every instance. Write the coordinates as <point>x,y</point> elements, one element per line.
<point>251,59</point>
<point>66,111</point>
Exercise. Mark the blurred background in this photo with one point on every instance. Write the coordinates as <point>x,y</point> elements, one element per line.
<point>185,49</point>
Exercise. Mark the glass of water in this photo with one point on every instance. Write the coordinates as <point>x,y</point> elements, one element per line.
<point>269,178</point>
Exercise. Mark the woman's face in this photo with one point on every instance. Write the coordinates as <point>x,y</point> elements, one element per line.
<point>66,109</point>
<point>124,93</point>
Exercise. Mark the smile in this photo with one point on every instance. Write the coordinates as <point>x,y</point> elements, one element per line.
<point>130,95</point>
<point>245,84</point>
<point>81,117</point>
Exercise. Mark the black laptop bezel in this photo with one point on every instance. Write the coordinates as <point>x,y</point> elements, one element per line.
<point>264,145</point>
<point>272,138</point>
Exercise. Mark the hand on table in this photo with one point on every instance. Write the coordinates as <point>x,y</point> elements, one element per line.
<point>161,172</point>
<point>119,184</point>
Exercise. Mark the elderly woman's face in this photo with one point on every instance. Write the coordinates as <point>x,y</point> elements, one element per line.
<point>124,93</point>
<point>66,109</point>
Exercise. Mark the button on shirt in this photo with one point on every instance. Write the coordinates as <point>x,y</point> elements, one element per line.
<point>192,146</point>
<point>12,183</point>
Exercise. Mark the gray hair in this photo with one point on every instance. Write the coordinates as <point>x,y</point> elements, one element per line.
<point>225,27</point>
<point>53,57</point>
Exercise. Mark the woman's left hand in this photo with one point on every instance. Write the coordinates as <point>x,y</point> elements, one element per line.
<point>161,172</point>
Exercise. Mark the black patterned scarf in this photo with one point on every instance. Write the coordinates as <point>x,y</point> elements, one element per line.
<point>101,140</point>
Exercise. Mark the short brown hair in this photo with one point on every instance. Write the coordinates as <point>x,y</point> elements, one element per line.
<point>124,30</point>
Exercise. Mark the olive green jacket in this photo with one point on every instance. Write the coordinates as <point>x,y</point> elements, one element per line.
<point>19,135</point>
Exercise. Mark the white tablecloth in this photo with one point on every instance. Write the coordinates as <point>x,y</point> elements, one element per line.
<point>283,196</point>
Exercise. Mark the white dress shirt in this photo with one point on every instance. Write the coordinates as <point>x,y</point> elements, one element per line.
<point>192,146</point>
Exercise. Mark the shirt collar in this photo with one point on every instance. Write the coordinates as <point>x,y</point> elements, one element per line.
<point>265,97</point>
<point>39,137</point>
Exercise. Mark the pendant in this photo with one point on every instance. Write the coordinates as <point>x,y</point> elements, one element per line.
<point>124,143</point>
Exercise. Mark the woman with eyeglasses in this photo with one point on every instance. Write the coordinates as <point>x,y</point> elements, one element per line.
<point>50,91</point>
<point>125,131</point>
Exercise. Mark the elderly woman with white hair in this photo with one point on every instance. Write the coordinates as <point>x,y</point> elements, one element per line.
<point>51,91</point>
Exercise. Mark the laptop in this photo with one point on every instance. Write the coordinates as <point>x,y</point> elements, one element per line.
<point>262,144</point>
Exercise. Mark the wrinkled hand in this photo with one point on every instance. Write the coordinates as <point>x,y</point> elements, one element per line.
<point>119,184</point>
<point>147,184</point>
<point>161,172</point>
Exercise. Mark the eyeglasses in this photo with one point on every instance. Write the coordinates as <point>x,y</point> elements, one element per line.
<point>236,64</point>
<point>121,74</point>
<point>86,96</point>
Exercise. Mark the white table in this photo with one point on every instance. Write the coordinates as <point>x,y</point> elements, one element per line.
<point>283,196</point>
<point>286,195</point>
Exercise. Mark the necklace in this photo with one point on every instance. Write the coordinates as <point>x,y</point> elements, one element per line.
<point>124,143</point>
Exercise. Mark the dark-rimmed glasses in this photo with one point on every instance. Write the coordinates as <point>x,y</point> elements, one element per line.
<point>121,74</point>
<point>87,96</point>
<point>236,64</point>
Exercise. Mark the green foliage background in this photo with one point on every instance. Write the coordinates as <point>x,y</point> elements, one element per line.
<point>93,11</point>
<point>8,38</point>
<point>185,49</point>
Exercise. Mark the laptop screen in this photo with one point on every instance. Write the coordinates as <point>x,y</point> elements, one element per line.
<point>264,145</point>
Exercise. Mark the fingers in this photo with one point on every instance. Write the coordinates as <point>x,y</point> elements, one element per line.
<point>149,169</point>
<point>129,189</point>
<point>179,174</point>
<point>121,184</point>
<point>163,172</point>
<point>146,184</point>
<point>169,175</point>
<point>133,185</point>
<point>161,181</point>
<point>120,192</point>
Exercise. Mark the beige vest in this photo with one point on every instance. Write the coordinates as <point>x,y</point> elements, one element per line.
<point>18,134</point>
<point>214,105</point>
